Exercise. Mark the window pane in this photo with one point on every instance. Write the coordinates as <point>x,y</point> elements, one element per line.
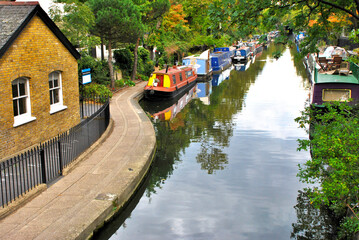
<point>51,97</point>
<point>50,84</point>
<point>16,111</point>
<point>56,96</point>
<point>14,91</point>
<point>22,89</point>
<point>56,82</point>
<point>22,105</point>
<point>336,95</point>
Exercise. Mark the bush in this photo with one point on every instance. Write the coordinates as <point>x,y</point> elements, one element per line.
<point>96,90</point>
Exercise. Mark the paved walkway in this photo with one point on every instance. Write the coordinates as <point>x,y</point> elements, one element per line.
<point>80,201</point>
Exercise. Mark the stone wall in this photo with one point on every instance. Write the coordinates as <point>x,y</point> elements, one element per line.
<point>35,54</point>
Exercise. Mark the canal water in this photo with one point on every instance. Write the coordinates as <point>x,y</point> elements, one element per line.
<point>226,160</point>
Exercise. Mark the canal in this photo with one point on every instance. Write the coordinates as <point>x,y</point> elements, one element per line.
<point>226,160</point>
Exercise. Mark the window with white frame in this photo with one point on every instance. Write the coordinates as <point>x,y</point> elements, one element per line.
<point>21,101</point>
<point>55,87</point>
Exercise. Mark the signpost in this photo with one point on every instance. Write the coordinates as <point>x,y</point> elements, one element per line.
<point>86,76</point>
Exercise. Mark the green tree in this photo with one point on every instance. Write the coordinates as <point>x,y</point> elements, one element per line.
<point>116,21</point>
<point>75,20</point>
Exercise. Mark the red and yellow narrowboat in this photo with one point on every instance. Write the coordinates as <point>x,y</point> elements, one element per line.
<point>170,82</point>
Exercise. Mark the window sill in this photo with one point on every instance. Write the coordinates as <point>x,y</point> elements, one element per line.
<point>22,121</point>
<point>55,109</point>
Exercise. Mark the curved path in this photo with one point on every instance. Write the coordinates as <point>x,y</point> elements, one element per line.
<point>99,184</point>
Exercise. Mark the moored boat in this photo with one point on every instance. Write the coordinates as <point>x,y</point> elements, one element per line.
<point>242,54</point>
<point>220,61</point>
<point>202,63</point>
<point>333,83</point>
<point>231,50</point>
<point>170,82</point>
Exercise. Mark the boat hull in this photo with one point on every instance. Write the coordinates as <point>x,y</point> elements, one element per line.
<point>348,91</point>
<point>157,95</point>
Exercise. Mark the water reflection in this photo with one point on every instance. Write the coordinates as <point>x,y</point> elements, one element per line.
<point>218,78</point>
<point>204,90</point>
<point>225,167</point>
<point>167,110</point>
<point>312,223</point>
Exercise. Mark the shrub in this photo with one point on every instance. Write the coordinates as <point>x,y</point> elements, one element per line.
<point>96,90</point>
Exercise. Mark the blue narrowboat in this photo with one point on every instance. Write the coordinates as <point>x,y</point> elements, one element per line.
<point>231,50</point>
<point>201,62</point>
<point>220,61</point>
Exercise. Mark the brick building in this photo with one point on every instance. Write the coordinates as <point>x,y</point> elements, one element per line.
<point>39,95</point>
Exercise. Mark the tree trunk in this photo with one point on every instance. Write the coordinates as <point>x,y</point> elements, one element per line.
<point>134,71</point>
<point>110,66</point>
<point>102,52</point>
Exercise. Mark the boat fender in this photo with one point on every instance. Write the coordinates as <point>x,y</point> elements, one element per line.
<point>152,92</point>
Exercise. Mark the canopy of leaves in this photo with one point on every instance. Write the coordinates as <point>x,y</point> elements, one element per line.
<point>116,20</point>
<point>75,20</point>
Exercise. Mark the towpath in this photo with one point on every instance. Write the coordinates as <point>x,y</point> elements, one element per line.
<point>106,177</point>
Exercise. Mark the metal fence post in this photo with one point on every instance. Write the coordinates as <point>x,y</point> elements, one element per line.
<point>43,168</point>
<point>60,156</point>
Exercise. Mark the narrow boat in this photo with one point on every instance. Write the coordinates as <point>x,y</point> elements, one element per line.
<point>170,82</point>
<point>202,63</point>
<point>220,61</point>
<point>231,50</point>
<point>333,83</point>
<point>242,54</point>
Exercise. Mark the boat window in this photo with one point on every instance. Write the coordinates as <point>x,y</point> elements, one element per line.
<point>174,79</point>
<point>181,77</point>
<point>336,95</point>
<point>189,74</point>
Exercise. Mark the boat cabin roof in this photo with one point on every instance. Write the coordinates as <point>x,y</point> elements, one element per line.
<point>173,70</point>
<point>329,78</point>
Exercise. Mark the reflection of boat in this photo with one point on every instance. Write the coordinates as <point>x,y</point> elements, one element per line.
<point>219,78</point>
<point>170,82</point>
<point>169,112</point>
<point>203,91</point>
<point>202,62</point>
<point>220,61</point>
<point>333,84</point>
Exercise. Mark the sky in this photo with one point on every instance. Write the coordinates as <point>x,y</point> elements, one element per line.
<point>45,4</point>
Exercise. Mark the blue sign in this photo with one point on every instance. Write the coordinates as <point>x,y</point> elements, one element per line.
<point>86,76</point>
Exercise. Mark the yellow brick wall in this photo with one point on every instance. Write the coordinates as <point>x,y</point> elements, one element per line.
<point>35,54</point>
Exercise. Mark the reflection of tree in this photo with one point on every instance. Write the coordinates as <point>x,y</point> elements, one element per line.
<point>211,125</point>
<point>299,67</point>
<point>312,223</point>
<point>212,159</point>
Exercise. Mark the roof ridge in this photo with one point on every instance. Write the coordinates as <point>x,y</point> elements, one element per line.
<point>7,3</point>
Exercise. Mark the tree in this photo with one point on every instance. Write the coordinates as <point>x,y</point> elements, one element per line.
<point>75,20</point>
<point>116,21</point>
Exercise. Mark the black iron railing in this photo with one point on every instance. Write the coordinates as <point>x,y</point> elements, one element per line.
<point>44,163</point>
